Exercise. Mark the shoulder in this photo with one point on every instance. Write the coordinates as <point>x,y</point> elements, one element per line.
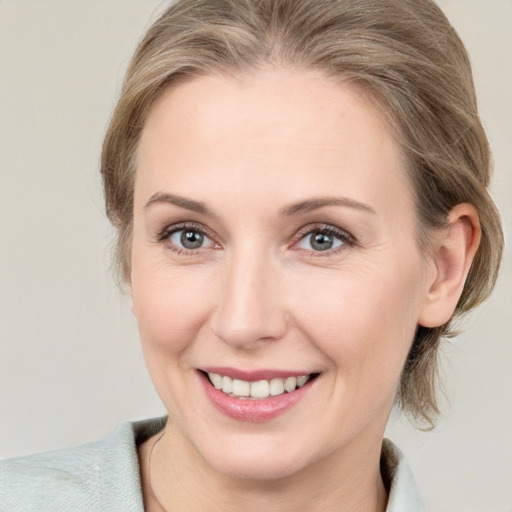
<point>61,478</point>
<point>404,495</point>
<point>103,475</point>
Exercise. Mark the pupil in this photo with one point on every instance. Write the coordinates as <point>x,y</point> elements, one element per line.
<point>191,239</point>
<point>321,241</point>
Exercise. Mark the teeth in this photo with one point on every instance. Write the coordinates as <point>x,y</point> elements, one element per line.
<point>258,389</point>
<point>302,380</point>
<point>227,385</point>
<point>290,383</point>
<point>277,387</point>
<point>216,380</point>
<point>240,387</point>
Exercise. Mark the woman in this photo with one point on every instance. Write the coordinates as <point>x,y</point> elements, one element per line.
<point>300,195</point>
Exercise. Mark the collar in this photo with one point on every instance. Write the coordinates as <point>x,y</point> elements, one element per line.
<point>404,495</point>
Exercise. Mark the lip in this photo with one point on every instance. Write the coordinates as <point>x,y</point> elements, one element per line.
<point>253,411</point>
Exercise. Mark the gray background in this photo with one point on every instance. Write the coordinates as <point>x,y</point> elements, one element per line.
<point>70,364</point>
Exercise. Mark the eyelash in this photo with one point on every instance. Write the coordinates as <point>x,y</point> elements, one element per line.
<point>326,229</point>
<point>165,235</point>
<point>346,238</point>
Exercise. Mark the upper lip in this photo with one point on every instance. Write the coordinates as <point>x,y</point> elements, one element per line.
<point>253,375</point>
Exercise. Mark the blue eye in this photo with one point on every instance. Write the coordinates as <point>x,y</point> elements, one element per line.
<point>322,240</point>
<point>189,239</point>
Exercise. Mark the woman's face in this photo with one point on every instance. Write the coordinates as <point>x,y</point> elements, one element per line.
<point>274,238</point>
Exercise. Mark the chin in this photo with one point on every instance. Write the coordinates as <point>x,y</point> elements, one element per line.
<point>258,468</point>
<point>260,459</point>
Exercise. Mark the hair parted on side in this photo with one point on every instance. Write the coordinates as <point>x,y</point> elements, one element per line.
<point>404,53</point>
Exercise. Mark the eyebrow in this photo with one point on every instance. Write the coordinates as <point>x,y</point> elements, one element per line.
<point>182,202</point>
<point>320,202</point>
<point>294,209</point>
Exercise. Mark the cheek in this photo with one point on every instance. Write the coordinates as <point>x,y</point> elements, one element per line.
<point>170,306</point>
<point>170,314</point>
<point>364,321</point>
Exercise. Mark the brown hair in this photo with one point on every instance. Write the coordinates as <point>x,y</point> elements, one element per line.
<point>403,52</point>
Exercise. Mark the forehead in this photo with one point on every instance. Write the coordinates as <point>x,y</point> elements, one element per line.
<point>279,130</point>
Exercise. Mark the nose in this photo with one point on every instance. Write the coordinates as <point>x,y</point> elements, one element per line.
<point>250,311</point>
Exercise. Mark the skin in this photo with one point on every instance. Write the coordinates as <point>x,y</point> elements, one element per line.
<point>257,295</point>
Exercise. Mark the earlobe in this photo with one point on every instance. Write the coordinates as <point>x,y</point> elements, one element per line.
<point>455,248</point>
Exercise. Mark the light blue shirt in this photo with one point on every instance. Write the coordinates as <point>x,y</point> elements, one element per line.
<point>104,476</point>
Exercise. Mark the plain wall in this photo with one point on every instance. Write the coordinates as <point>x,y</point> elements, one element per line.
<point>70,364</point>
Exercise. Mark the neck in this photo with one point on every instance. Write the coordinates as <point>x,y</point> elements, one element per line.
<point>175,477</point>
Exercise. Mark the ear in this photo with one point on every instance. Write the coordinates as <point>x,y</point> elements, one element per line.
<point>455,248</point>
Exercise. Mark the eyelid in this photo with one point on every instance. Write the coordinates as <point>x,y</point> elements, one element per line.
<point>164,235</point>
<point>339,233</point>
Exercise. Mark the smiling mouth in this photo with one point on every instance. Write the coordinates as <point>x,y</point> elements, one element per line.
<point>260,389</point>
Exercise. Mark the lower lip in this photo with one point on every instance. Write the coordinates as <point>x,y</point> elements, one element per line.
<point>253,411</point>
